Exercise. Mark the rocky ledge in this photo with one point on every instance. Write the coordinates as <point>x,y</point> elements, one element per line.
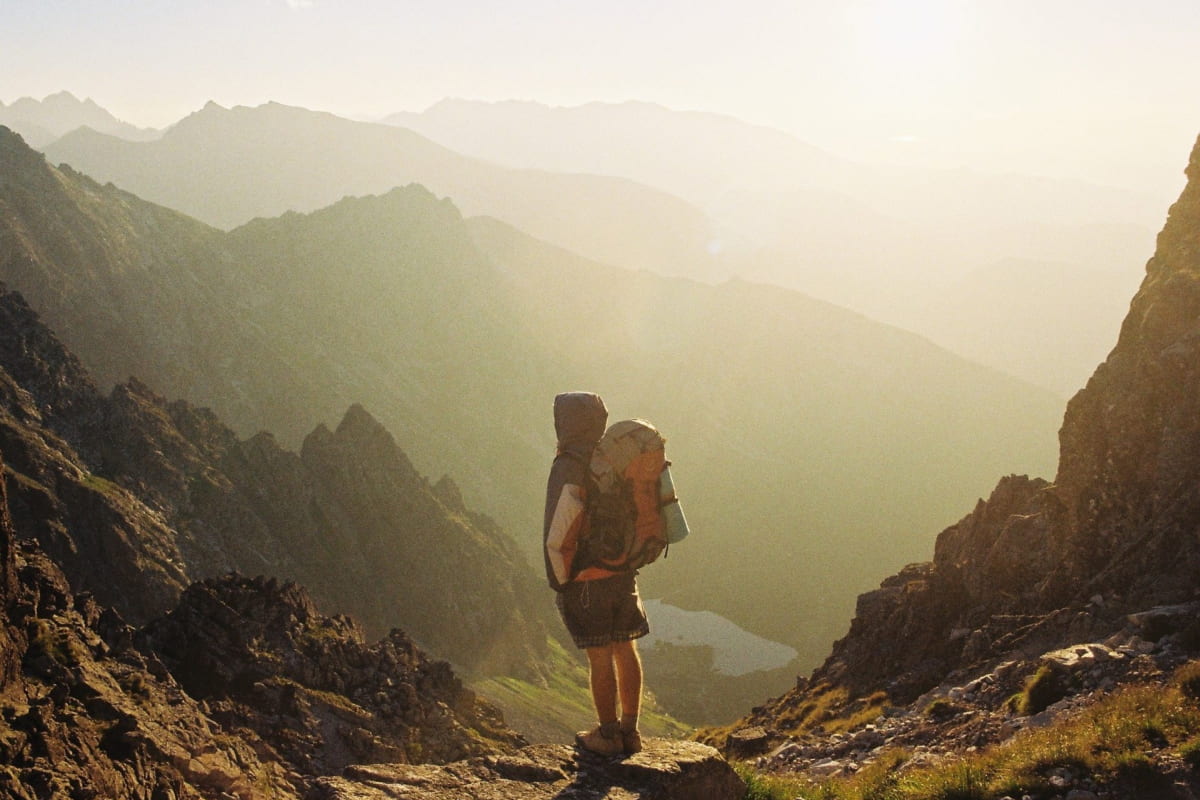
<point>664,770</point>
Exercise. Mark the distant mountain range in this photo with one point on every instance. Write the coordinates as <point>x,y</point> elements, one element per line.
<point>691,194</point>
<point>228,166</point>
<point>902,245</point>
<point>41,122</point>
<point>813,446</point>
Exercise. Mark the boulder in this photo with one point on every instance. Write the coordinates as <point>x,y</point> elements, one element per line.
<point>664,770</point>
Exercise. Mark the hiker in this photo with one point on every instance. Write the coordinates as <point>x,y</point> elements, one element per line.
<point>601,608</point>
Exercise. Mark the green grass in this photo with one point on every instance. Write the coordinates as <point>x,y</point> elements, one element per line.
<point>101,485</point>
<point>554,712</point>
<point>55,643</point>
<point>1112,743</point>
<point>1042,689</point>
<point>1188,679</point>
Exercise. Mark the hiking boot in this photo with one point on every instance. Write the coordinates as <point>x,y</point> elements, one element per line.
<point>631,741</point>
<point>601,741</point>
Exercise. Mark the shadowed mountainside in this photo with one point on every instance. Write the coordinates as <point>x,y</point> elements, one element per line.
<point>136,497</point>
<point>244,690</point>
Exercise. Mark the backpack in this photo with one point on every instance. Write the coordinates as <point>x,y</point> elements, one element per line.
<point>626,499</point>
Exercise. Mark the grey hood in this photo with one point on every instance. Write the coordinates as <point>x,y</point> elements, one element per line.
<point>579,421</point>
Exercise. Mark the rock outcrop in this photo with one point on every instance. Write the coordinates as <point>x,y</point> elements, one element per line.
<point>83,714</point>
<point>664,770</point>
<point>244,690</point>
<point>262,658</point>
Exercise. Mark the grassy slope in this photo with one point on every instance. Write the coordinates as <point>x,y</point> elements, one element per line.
<point>1135,742</point>
<point>554,712</point>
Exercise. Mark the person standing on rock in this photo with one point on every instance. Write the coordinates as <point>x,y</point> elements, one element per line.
<point>601,609</point>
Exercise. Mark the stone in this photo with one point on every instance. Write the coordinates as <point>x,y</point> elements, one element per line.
<point>1082,656</point>
<point>748,742</point>
<point>826,769</point>
<point>663,770</point>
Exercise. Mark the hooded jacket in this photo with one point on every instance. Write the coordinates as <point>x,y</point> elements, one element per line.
<point>579,421</point>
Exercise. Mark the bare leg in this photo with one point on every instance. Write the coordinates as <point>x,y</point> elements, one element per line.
<point>629,679</point>
<point>603,677</point>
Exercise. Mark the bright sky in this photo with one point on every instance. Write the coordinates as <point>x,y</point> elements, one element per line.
<point>1109,89</point>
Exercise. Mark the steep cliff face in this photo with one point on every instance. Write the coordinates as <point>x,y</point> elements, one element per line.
<point>1130,459</point>
<point>1040,565</point>
<point>136,497</point>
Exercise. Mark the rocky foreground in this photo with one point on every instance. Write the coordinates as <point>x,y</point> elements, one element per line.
<point>978,709</point>
<point>664,770</point>
<point>245,691</point>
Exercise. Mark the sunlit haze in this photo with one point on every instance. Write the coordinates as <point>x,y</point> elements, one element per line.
<point>1103,90</point>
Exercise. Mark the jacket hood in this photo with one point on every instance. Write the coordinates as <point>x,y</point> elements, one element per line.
<point>579,420</point>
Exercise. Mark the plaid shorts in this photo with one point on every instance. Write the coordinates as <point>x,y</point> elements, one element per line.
<point>603,611</point>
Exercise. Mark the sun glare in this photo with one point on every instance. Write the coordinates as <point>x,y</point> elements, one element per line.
<point>908,46</point>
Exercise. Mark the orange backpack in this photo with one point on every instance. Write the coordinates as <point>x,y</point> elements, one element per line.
<point>626,528</point>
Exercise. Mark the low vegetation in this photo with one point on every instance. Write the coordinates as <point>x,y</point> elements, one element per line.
<point>1123,743</point>
<point>1042,689</point>
<point>554,711</point>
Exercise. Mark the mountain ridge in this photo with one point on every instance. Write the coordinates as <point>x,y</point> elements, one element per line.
<point>270,697</point>
<point>228,166</point>
<point>169,495</point>
<point>793,216</point>
<point>43,121</point>
<point>285,323</point>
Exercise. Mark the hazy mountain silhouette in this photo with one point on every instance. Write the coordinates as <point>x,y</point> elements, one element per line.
<point>813,445</point>
<point>228,166</point>
<point>40,122</point>
<point>885,241</point>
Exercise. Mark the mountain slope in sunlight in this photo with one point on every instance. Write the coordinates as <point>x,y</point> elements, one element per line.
<point>810,443</point>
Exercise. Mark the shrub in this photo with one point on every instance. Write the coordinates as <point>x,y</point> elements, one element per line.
<point>1190,753</point>
<point>1042,689</point>
<point>941,709</point>
<point>1187,678</point>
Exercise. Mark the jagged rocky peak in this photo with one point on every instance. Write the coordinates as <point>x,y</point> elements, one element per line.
<point>33,356</point>
<point>359,426</point>
<point>244,690</point>
<point>358,439</point>
<point>448,492</point>
<point>257,649</point>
